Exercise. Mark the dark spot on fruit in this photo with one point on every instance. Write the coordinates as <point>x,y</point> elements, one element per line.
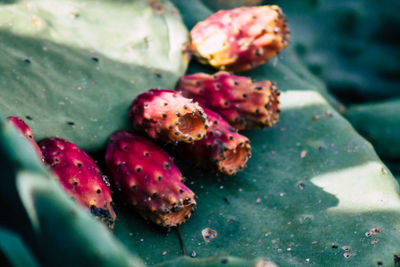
<point>181,191</point>
<point>226,103</point>
<point>155,195</point>
<point>199,135</point>
<point>125,147</point>
<point>171,127</point>
<point>164,115</point>
<point>160,178</point>
<point>258,88</point>
<point>198,83</point>
<point>79,164</point>
<point>218,85</point>
<point>167,165</point>
<point>147,154</point>
<point>244,95</point>
<point>215,122</point>
<point>176,133</point>
<point>236,83</point>
<point>134,187</point>
<point>98,191</point>
<point>138,169</point>
<point>231,137</point>
<point>76,183</point>
<point>30,136</point>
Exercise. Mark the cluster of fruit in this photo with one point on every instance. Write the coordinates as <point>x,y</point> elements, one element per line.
<point>201,118</point>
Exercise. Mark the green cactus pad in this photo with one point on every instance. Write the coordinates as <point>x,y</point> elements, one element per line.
<point>72,68</point>
<point>353,45</point>
<point>314,193</point>
<point>380,124</point>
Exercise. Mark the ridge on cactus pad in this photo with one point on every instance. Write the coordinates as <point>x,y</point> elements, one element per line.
<point>146,178</point>
<point>240,39</point>
<point>80,177</point>
<point>26,131</point>
<point>240,101</point>
<point>223,149</point>
<point>167,115</point>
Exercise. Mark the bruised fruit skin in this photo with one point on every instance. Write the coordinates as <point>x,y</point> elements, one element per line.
<point>240,39</point>
<point>80,177</point>
<point>25,130</point>
<point>223,149</point>
<point>148,179</point>
<point>168,116</point>
<point>240,101</point>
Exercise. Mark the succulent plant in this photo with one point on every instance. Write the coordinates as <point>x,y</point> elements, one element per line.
<point>314,192</point>
<point>72,71</point>
<point>351,44</point>
<point>379,122</point>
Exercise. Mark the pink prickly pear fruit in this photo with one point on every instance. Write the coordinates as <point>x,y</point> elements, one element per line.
<point>168,116</point>
<point>148,179</point>
<point>223,149</point>
<point>240,101</point>
<point>26,131</point>
<point>240,39</point>
<point>80,177</point>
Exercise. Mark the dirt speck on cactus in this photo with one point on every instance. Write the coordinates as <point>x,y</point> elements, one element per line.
<point>156,6</point>
<point>208,234</point>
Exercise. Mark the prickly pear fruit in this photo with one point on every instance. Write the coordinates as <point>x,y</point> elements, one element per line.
<point>148,179</point>
<point>26,131</point>
<point>168,116</point>
<point>223,149</point>
<point>240,39</point>
<point>80,177</point>
<point>240,101</point>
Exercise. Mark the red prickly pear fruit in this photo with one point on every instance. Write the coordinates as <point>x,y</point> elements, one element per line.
<point>223,149</point>
<point>148,179</point>
<point>80,177</point>
<point>26,131</point>
<point>168,116</point>
<point>240,39</point>
<point>240,101</point>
